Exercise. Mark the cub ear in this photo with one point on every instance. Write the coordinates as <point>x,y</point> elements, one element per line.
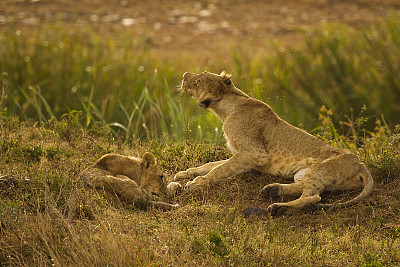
<point>148,160</point>
<point>226,77</point>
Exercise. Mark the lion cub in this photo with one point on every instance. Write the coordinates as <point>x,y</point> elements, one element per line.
<point>131,179</point>
<point>260,140</point>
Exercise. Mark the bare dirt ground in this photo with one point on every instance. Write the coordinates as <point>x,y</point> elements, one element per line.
<point>202,26</point>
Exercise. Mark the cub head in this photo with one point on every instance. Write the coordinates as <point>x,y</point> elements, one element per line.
<point>153,178</point>
<point>207,88</point>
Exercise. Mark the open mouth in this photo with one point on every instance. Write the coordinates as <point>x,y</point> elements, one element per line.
<point>206,103</point>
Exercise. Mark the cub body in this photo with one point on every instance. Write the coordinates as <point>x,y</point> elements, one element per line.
<point>131,179</point>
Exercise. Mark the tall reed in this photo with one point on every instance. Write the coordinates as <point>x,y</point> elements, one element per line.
<point>119,82</point>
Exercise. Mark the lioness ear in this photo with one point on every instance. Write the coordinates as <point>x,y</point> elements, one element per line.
<point>227,81</point>
<point>148,160</point>
<point>226,77</point>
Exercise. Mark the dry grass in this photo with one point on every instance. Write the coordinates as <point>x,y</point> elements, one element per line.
<point>52,220</point>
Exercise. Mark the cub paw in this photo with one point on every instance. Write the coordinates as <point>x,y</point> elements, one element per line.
<point>270,191</point>
<point>12,180</point>
<point>175,206</point>
<point>277,210</point>
<point>173,189</point>
<point>164,206</point>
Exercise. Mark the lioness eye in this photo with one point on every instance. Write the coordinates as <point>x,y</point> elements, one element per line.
<point>162,178</point>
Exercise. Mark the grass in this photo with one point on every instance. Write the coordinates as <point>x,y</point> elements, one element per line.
<point>119,82</point>
<point>78,96</point>
<point>114,82</point>
<point>51,219</point>
<point>337,67</point>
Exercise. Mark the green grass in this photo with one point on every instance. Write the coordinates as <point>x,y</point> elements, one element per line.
<point>56,71</point>
<point>52,220</point>
<point>119,82</point>
<point>337,67</point>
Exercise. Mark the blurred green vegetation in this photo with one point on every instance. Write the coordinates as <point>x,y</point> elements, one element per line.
<point>337,67</point>
<point>62,71</point>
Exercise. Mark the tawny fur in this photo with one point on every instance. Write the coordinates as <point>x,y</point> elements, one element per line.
<point>131,179</point>
<point>260,140</point>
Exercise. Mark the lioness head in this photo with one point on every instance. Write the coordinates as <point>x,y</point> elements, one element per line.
<point>153,178</point>
<point>207,88</point>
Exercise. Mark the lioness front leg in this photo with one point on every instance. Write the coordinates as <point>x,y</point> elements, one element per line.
<point>237,164</point>
<point>202,170</point>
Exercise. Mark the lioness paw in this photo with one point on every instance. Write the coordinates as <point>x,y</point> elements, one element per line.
<point>190,186</point>
<point>193,185</point>
<point>184,175</point>
<point>277,210</point>
<point>313,207</point>
<point>270,191</point>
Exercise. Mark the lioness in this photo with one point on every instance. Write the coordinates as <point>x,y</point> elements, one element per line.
<point>131,179</point>
<point>259,139</point>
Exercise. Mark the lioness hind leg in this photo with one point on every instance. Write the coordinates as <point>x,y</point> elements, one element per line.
<point>198,171</point>
<point>275,190</point>
<point>293,189</point>
<point>318,178</point>
<point>303,201</point>
<point>306,184</point>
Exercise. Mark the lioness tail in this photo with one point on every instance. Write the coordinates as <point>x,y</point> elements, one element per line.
<point>368,181</point>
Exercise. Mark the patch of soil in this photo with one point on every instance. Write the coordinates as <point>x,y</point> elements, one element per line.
<point>208,27</point>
